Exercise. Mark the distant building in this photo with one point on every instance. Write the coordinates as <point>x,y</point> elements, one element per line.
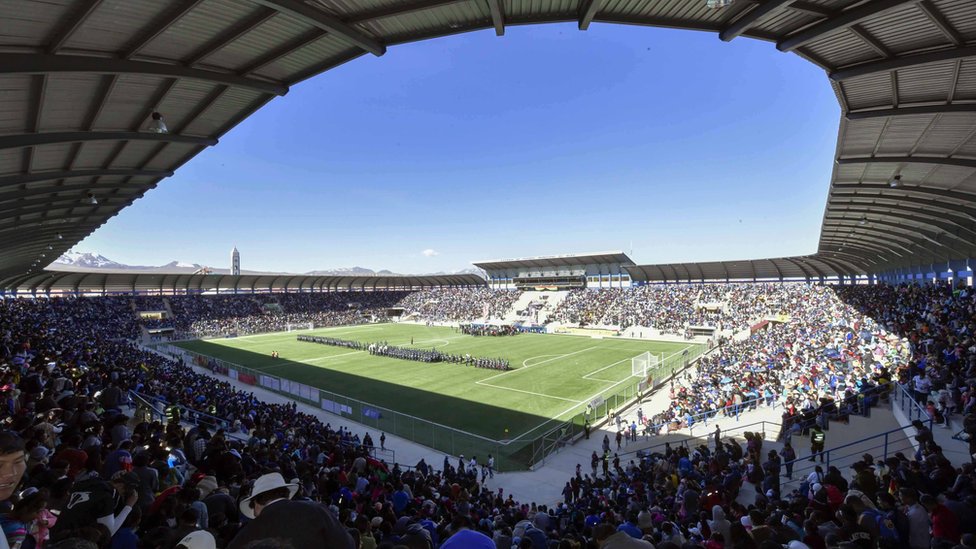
<point>235,262</point>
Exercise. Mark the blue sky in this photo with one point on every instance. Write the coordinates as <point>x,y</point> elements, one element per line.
<point>545,141</point>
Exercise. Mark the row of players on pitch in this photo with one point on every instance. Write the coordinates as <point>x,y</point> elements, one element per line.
<point>407,353</point>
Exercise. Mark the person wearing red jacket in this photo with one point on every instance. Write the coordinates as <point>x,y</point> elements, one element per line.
<point>945,524</point>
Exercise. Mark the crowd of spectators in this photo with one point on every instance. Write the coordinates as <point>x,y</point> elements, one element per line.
<point>93,479</point>
<point>827,353</point>
<point>459,304</point>
<point>672,308</point>
<point>208,316</point>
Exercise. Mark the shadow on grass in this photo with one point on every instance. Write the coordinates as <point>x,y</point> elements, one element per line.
<point>446,423</point>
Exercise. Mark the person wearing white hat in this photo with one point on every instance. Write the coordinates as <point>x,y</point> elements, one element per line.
<point>275,515</point>
<point>201,539</point>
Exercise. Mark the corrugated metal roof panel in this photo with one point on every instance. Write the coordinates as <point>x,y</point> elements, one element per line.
<point>126,106</point>
<point>135,152</point>
<point>15,94</point>
<point>30,23</point>
<point>325,48</point>
<point>967,150</point>
<point>51,157</point>
<point>231,102</point>
<point>925,82</point>
<point>447,17</point>
<point>966,86</point>
<point>950,177</point>
<point>861,136</point>
<point>114,23</point>
<point>905,29</point>
<point>202,24</point>
<point>959,14</point>
<point>785,20</point>
<point>842,48</point>
<point>94,154</point>
<point>948,133</point>
<point>173,153</point>
<point>63,97</point>
<point>901,134</point>
<point>264,39</point>
<point>873,90</point>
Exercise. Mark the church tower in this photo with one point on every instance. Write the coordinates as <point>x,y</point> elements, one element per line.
<point>235,262</point>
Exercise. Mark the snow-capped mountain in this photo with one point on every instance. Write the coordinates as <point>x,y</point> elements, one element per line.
<point>88,260</point>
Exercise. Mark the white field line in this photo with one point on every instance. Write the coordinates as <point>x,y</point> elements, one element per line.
<point>555,357</point>
<point>587,376</point>
<point>570,409</point>
<point>578,402</point>
<point>537,356</point>
<point>589,399</point>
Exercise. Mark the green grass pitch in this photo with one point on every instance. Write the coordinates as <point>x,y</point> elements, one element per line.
<point>554,376</point>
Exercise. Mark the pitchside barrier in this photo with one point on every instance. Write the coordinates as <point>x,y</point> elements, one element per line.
<point>516,454</point>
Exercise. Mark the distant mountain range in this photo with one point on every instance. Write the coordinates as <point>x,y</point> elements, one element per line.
<point>88,260</point>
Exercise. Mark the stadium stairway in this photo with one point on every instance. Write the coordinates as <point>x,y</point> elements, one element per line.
<point>550,301</point>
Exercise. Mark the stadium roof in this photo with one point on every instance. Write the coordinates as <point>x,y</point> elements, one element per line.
<point>812,267</point>
<point>116,281</point>
<point>80,79</point>
<point>549,261</point>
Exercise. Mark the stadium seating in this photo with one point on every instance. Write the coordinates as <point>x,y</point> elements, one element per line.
<point>69,363</point>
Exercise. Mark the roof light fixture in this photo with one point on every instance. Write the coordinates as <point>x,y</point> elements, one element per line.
<point>50,247</point>
<point>92,200</point>
<point>60,237</point>
<point>156,125</point>
<point>895,182</point>
<point>718,4</point>
<point>863,221</point>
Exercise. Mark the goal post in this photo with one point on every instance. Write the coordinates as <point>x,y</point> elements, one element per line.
<point>643,364</point>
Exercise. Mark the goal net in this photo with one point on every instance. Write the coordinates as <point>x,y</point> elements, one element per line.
<point>301,326</point>
<point>643,363</point>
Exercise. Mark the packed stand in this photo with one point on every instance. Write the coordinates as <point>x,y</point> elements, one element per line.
<point>206,316</point>
<point>673,308</point>
<point>818,363</point>
<point>459,304</point>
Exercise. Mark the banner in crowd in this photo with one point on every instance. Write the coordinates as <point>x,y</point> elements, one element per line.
<point>247,378</point>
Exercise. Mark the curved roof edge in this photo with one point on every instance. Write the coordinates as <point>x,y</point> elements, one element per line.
<point>778,268</point>
<point>91,281</point>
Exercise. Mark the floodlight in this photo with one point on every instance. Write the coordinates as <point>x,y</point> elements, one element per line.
<point>156,125</point>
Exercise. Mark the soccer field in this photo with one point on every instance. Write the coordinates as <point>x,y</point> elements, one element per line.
<point>553,378</point>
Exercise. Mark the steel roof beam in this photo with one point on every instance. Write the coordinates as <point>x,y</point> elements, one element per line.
<point>839,271</point>
<point>884,191</point>
<point>23,63</point>
<point>317,18</point>
<point>909,111</point>
<point>896,63</point>
<point>86,8</point>
<point>811,9</point>
<point>940,21</point>
<point>49,176</point>
<point>401,8</point>
<point>958,215</point>
<point>497,9</point>
<point>928,237</point>
<point>587,11</point>
<point>961,162</point>
<point>880,237</point>
<point>742,24</point>
<point>874,251</point>
<point>838,22</point>
<point>927,217</point>
<point>802,266</point>
<point>49,138</point>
